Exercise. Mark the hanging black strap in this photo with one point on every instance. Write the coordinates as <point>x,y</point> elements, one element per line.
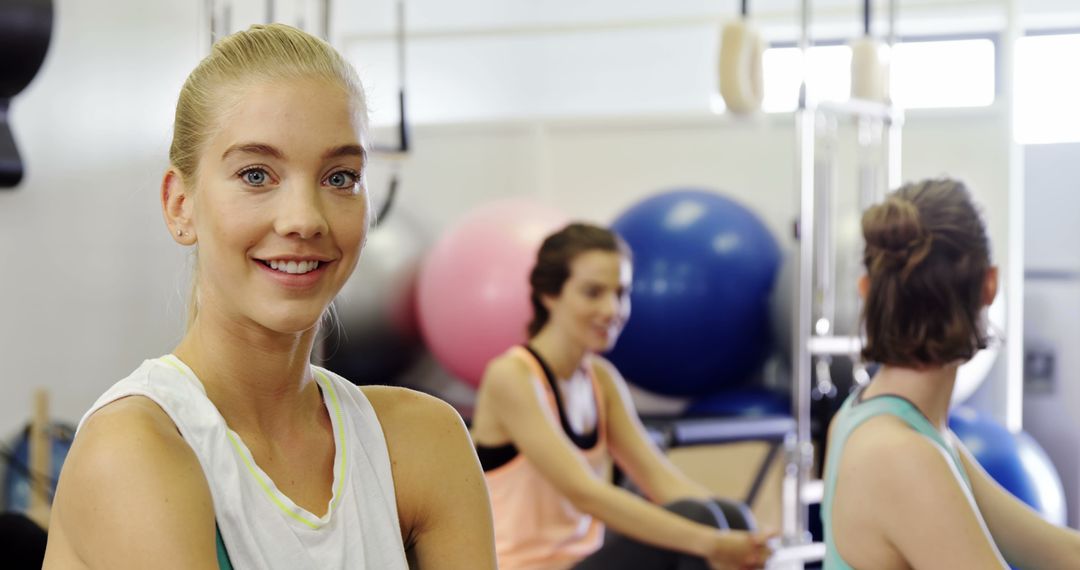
<point>25,30</point>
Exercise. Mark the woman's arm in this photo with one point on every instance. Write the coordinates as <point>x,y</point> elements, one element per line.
<point>518,402</point>
<point>1024,537</point>
<point>132,495</point>
<point>442,498</point>
<point>632,448</point>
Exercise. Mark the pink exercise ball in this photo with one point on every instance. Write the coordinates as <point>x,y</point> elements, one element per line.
<point>473,291</point>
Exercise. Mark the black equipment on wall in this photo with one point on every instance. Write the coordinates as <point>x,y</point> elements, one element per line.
<point>25,30</point>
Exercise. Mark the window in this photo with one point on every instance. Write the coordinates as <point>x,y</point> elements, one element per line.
<point>1047,90</point>
<point>949,73</point>
<point>828,76</point>
<point>953,73</point>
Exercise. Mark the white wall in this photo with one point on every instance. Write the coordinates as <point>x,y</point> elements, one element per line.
<point>589,119</point>
<point>89,280</point>
<point>1052,303</point>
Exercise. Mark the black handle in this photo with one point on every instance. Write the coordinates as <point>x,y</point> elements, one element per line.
<point>11,168</point>
<point>867,16</point>
<point>388,203</point>
<point>25,30</point>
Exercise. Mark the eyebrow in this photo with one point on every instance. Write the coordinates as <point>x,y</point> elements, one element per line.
<point>346,150</point>
<point>253,148</point>
<point>269,150</point>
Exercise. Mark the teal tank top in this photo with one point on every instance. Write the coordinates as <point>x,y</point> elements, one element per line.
<point>224,563</point>
<point>852,414</point>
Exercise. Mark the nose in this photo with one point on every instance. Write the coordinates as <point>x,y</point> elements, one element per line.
<point>300,213</point>
<point>611,305</point>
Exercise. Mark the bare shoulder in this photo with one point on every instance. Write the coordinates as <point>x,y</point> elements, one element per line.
<point>430,452</point>
<point>604,368</point>
<point>890,460</point>
<point>503,372</point>
<point>133,431</point>
<point>130,486</point>
<point>884,475</point>
<point>904,495</point>
<point>405,413</point>
<point>612,383</point>
<point>134,412</point>
<point>889,439</point>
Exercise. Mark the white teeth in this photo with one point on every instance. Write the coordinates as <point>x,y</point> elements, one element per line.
<point>293,267</point>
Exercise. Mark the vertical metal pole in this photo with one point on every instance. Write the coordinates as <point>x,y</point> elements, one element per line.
<point>403,128</point>
<point>211,22</point>
<point>226,18</point>
<point>894,149</point>
<point>1012,413</point>
<point>325,20</point>
<point>796,513</point>
<point>401,43</point>
<point>895,122</point>
<point>803,307</point>
<point>892,39</point>
<point>825,205</point>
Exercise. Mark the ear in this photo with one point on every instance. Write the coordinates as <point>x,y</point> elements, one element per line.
<point>863,286</point>
<point>547,301</point>
<point>990,286</point>
<point>177,207</point>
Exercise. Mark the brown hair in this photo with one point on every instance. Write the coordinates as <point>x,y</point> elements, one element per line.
<point>926,258</point>
<point>552,267</point>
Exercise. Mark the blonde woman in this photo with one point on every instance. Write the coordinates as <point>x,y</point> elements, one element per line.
<point>234,450</point>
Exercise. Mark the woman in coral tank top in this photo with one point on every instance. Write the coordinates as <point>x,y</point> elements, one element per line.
<point>552,415</point>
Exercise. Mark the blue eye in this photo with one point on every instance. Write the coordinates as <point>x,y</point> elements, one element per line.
<point>343,179</point>
<point>254,176</point>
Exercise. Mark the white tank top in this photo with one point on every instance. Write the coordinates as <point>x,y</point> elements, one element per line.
<point>260,526</point>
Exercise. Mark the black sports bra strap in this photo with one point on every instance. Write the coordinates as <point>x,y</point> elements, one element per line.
<point>582,440</point>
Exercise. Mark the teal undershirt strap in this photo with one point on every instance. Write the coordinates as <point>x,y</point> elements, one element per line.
<point>222,555</point>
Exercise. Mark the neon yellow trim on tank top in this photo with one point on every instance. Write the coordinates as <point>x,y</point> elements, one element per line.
<point>169,359</point>
<point>339,477</point>
<point>339,436</point>
<point>265,487</point>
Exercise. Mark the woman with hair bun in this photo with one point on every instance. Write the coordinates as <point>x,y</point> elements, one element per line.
<point>901,491</point>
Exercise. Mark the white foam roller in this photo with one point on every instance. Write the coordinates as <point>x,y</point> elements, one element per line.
<point>869,70</point>
<point>741,84</point>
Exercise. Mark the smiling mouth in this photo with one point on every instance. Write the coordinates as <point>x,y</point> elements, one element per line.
<point>291,267</point>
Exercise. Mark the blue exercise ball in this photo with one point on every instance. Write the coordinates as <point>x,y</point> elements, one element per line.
<point>742,402</point>
<point>1015,461</point>
<point>704,266</point>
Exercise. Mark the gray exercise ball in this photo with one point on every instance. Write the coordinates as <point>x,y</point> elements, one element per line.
<point>376,335</point>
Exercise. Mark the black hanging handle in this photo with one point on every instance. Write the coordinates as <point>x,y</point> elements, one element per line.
<point>11,168</point>
<point>867,16</point>
<point>25,32</point>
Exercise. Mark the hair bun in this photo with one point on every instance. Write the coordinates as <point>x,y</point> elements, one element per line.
<point>892,225</point>
<point>895,236</point>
